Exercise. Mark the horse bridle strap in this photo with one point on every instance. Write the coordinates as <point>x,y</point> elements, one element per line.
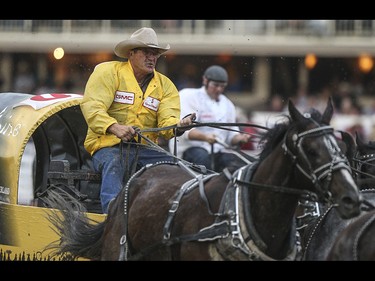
<point>363,160</point>
<point>277,188</point>
<point>316,176</point>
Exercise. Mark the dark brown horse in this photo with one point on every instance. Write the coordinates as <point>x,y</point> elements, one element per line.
<point>357,241</point>
<point>322,231</point>
<point>171,211</point>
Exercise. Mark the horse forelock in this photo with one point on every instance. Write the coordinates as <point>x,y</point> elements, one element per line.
<point>316,115</point>
<point>272,138</point>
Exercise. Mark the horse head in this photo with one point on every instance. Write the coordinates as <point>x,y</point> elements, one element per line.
<point>323,166</point>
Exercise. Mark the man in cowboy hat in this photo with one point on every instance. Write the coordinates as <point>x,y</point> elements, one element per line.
<point>122,96</point>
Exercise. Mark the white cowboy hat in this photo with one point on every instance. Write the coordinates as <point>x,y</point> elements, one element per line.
<point>142,38</point>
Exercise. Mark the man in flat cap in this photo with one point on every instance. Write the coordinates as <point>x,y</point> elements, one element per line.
<point>121,96</point>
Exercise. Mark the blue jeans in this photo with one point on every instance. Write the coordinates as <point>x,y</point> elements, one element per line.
<point>111,164</point>
<point>220,160</point>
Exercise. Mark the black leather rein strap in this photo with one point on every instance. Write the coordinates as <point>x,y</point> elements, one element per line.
<point>212,124</point>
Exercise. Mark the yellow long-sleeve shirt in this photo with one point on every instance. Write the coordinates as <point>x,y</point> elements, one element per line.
<point>112,95</point>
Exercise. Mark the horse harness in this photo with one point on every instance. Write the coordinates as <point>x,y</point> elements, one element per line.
<point>253,246</point>
<point>323,211</point>
<point>198,180</point>
<point>316,213</point>
<point>227,230</point>
<point>359,234</point>
<point>312,209</point>
<point>363,160</point>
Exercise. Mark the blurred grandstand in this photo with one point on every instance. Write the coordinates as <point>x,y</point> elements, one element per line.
<point>264,58</point>
<point>237,37</point>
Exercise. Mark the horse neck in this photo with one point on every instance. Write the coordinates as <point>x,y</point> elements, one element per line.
<point>272,211</point>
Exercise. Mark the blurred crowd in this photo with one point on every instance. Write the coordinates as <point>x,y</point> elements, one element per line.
<point>345,96</point>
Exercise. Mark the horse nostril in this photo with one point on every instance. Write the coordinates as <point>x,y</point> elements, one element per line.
<point>350,207</point>
<point>352,200</point>
<point>348,201</point>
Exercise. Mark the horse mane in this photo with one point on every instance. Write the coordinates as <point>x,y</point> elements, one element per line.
<point>272,137</point>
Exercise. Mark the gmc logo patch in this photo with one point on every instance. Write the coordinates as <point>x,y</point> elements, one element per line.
<point>124,97</point>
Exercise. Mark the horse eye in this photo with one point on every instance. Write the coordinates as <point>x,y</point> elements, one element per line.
<point>312,152</point>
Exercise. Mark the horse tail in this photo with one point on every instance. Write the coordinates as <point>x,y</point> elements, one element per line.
<point>80,236</point>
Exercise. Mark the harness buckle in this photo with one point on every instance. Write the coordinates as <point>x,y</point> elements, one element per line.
<point>123,240</point>
<point>174,207</point>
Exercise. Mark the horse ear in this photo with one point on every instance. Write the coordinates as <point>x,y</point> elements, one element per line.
<point>361,145</point>
<point>293,111</point>
<point>328,112</point>
<point>358,140</point>
<point>348,139</point>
